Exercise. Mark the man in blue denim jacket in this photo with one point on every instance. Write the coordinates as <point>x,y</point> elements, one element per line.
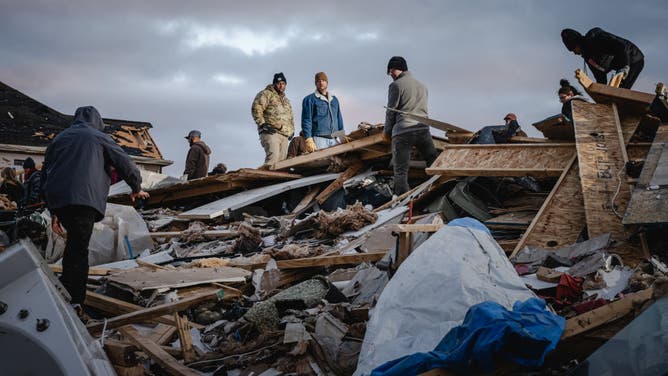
<point>321,116</point>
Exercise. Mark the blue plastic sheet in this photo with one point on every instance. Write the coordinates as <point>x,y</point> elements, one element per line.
<point>524,336</point>
<point>470,223</point>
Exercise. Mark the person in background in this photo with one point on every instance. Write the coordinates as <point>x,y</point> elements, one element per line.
<point>219,169</point>
<point>605,52</point>
<point>498,134</point>
<point>197,161</point>
<point>567,93</point>
<point>31,183</point>
<point>272,113</point>
<point>76,180</point>
<point>321,116</point>
<point>10,186</point>
<point>406,94</point>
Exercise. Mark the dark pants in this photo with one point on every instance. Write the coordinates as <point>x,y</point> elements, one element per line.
<point>78,221</point>
<point>634,71</point>
<point>401,152</point>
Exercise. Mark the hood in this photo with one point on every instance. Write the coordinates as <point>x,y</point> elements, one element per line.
<point>204,146</point>
<point>89,117</point>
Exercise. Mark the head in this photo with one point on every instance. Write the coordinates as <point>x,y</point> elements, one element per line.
<point>194,136</point>
<point>321,82</point>
<point>565,93</point>
<point>28,164</point>
<point>396,66</point>
<point>280,82</point>
<point>510,117</point>
<point>8,174</point>
<point>572,40</point>
<point>88,116</point>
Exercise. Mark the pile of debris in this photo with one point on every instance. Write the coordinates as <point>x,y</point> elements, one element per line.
<point>313,268</point>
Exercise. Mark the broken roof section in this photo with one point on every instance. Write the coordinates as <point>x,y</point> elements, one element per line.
<point>25,121</point>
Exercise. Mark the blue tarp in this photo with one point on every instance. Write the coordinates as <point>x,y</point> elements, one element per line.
<point>470,223</point>
<point>524,336</point>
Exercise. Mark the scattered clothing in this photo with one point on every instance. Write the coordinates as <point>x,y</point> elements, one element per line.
<point>297,147</point>
<point>523,336</point>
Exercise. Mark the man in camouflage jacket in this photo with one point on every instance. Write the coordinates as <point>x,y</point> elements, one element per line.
<point>272,113</point>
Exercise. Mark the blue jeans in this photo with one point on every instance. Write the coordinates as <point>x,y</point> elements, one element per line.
<point>323,142</point>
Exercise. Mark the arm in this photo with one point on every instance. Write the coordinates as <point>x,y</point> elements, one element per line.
<point>601,77</point>
<point>258,107</point>
<point>392,102</point>
<point>121,161</point>
<point>307,117</point>
<point>338,110</point>
<point>614,46</point>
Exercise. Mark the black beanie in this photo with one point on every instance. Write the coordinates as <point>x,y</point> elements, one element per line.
<point>278,77</point>
<point>28,163</point>
<point>571,38</point>
<point>397,62</point>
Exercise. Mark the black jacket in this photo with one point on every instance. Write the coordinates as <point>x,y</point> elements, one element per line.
<point>13,190</point>
<point>78,161</point>
<point>32,189</point>
<point>604,52</point>
<point>197,161</point>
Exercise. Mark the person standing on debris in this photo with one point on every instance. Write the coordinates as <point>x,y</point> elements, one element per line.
<point>321,116</point>
<point>275,122</point>
<point>604,52</point>
<point>568,93</point>
<point>197,161</point>
<point>410,95</point>
<point>76,177</point>
<point>32,183</point>
<point>10,186</point>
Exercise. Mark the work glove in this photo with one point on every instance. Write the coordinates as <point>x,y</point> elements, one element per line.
<point>267,128</point>
<point>310,145</point>
<point>387,137</point>
<point>624,70</point>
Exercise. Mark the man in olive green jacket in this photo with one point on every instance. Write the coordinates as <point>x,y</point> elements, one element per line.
<point>272,113</point>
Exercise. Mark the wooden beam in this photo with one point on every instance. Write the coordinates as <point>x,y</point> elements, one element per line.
<point>447,127</point>
<point>427,227</point>
<point>503,160</point>
<point>605,314</point>
<point>156,353</point>
<point>629,101</point>
<point>121,353</point>
<point>325,261</point>
<point>185,338</point>
<point>307,200</point>
<point>152,312</point>
<point>601,151</point>
<point>91,271</point>
<point>220,234</point>
<point>329,152</point>
<point>350,172</point>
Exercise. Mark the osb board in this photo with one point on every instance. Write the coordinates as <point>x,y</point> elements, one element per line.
<point>637,151</point>
<point>629,124</point>
<point>651,206</point>
<point>503,160</point>
<point>601,163</point>
<point>562,216</point>
<point>555,127</point>
<point>144,279</point>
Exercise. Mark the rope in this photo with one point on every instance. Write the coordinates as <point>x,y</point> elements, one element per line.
<point>619,185</point>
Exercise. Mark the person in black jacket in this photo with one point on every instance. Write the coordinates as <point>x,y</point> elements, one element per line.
<point>76,177</point>
<point>197,161</point>
<point>32,183</point>
<point>10,186</point>
<point>604,52</point>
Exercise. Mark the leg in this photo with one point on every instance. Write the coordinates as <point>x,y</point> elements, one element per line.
<point>78,221</point>
<point>425,146</point>
<point>284,143</point>
<point>323,143</point>
<point>401,152</point>
<point>634,71</point>
<point>272,148</point>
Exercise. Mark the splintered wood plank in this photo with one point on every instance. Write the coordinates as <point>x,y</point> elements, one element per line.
<point>325,261</point>
<point>329,152</point>
<point>561,218</point>
<point>353,170</point>
<point>601,155</point>
<point>166,361</point>
<point>306,200</point>
<point>629,101</point>
<point>650,206</point>
<point>555,128</point>
<point>503,160</point>
<point>225,205</point>
<point>141,279</point>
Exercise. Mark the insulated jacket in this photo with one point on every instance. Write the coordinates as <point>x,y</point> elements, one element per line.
<point>32,189</point>
<point>77,166</point>
<point>270,107</point>
<point>321,116</point>
<point>197,161</point>
<point>13,190</point>
<point>405,94</point>
<point>604,52</point>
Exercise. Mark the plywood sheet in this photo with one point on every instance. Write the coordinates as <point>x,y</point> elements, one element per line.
<point>239,200</point>
<point>143,279</point>
<point>601,156</point>
<point>503,160</point>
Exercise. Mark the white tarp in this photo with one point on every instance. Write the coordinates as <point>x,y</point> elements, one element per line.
<point>454,269</point>
<point>149,181</point>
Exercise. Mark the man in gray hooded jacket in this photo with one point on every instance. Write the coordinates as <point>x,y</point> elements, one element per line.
<point>76,178</point>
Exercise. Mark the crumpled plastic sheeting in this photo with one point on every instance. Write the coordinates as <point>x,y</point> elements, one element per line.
<point>524,336</point>
<point>453,270</point>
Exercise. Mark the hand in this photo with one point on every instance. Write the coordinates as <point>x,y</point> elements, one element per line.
<point>624,70</point>
<point>141,194</point>
<point>310,145</point>
<point>56,227</point>
<point>387,138</point>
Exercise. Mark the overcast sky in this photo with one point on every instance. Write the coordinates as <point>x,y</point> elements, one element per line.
<point>185,65</point>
